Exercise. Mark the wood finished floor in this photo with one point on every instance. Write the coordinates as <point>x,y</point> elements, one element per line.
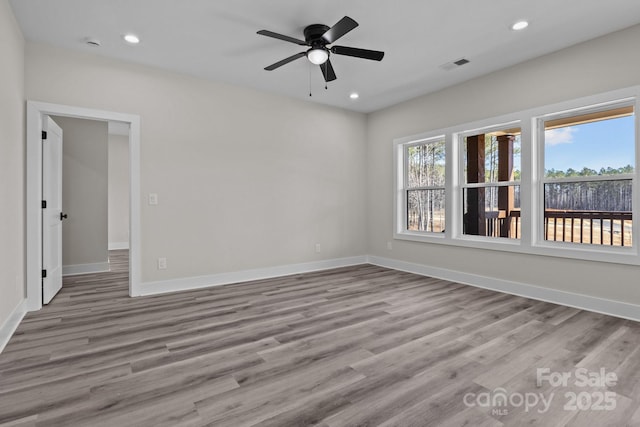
<point>357,346</point>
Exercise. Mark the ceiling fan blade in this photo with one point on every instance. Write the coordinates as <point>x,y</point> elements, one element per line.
<point>282,37</point>
<point>343,26</point>
<point>327,71</point>
<point>374,55</point>
<point>285,61</point>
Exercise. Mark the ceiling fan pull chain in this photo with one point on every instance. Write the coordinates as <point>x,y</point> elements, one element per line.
<point>326,70</point>
<point>309,80</point>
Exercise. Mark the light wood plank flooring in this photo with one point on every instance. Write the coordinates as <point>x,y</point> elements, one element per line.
<point>357,346</point>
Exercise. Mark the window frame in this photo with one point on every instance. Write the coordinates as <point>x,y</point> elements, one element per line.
<point>531,183</point>
<point>407,188</point>
<point>401,194</point>
<point>540,241</point>
<point>459,137</point>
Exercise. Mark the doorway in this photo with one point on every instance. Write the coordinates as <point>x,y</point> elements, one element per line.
<point>36,113</point>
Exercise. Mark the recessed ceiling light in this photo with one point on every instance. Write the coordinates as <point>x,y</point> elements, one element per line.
<point>354,96</point>
<point>520,25</point>
<point>131,38</point>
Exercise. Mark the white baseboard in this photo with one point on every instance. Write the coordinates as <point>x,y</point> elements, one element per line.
<point>113,246</point>
<point>584,302</point>
<point>11,324</point>
<point>74,270</point>
<point>190,283</point>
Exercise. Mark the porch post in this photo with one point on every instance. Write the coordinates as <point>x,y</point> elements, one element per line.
<point>475,222</point>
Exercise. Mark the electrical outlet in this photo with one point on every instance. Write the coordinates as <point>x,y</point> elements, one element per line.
<point>318,248</point>
<point>162,263</point>
<point>390,246</point>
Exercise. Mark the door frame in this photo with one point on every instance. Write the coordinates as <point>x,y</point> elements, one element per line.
<point>35,112</point>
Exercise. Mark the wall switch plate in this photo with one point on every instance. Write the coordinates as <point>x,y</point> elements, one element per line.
<point>318,248</point>
<point>153,199</point>
<point>389,245</point>
<point>162,263</point>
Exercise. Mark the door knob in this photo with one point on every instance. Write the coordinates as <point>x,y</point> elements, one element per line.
<point>62,216</point>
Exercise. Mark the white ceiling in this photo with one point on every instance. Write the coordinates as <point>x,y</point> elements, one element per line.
<point>217,40</point>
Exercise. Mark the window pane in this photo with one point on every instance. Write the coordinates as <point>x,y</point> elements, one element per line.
<point>426,165</point>
<point>596,212</point>
<point>425,210</point>
<point>589,145</point>
<point>492,211</point>
<point>492,156</point>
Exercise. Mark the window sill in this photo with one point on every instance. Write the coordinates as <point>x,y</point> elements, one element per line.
<point>615,255</point>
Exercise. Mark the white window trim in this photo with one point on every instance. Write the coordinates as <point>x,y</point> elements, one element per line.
<point>531,184</point>
<point>458,138</point>
<point>539,141</point>
<point>401,164</point>
<point>405,164</point>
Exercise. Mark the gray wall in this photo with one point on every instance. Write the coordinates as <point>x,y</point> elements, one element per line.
<point>118,191</point>
<point>243,184</point>
<point>12,158</point>
<point>607,63</point>
<point>245,179</point>
<point>84,191</point>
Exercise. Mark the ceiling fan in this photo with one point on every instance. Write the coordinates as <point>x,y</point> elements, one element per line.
<point>318,37</point>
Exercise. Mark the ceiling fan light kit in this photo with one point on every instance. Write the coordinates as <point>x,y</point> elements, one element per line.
<point>318,37</point>
<point>317,55</point>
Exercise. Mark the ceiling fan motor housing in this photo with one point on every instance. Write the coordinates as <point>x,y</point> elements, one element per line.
<point>313,35</point>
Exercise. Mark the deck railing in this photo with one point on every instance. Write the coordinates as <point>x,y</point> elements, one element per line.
<point>591,227</point>
<point>500,225</point>
<point>594,227</point>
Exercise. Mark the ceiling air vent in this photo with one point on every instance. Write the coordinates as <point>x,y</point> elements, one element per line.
<point>454,64</point>
<point>93,42</point>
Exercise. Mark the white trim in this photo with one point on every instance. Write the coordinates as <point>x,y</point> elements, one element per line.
<point>76,269</point>
<point>34,209</point>
<point>35,112</point>
<point>190,283</point>
<point>571,109</point>
<point>114,246</point>
<point>11,324</point>
<point>583,302</point>
<point>579,301</point>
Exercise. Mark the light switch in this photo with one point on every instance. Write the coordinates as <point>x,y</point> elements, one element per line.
<point>153,198</point>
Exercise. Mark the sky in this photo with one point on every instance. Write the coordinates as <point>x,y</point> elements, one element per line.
<point>594,145</point>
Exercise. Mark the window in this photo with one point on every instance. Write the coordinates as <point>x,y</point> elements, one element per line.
<point>425,186</point>
<point>558,180</point>
<point>491,176</point>
<point>589,166</point>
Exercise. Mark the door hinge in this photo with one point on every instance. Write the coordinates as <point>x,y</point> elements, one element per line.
<point>44,134</point>
<point>44,274</point>
<point>44,204</point>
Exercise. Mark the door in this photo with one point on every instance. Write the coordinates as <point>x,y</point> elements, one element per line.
<point>52,215</point>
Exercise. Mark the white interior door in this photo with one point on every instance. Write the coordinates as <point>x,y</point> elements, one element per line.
<point>52,215</point>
